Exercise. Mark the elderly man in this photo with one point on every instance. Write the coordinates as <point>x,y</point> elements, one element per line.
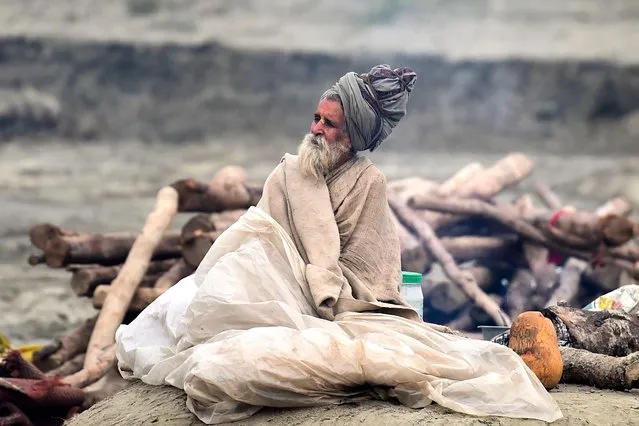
<point>297,304</point>
<point>332,201</point>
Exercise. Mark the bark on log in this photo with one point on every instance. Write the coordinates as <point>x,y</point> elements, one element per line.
<point>228,190</point>
<point>71,345</point>
<point>140,300</point>
<point>61,249</point>
<point>613,333</point>
<point>602,371</point>
<point>85,280</point>
<point>123,288</point>
<point>174,275</point>
<point>464,279</point>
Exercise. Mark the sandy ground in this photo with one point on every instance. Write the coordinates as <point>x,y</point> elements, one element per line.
<point>141,404</point>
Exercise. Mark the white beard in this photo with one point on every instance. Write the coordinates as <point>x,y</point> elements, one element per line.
<point>317,157</point>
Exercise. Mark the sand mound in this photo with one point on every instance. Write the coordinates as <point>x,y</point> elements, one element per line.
<point>145,405</point>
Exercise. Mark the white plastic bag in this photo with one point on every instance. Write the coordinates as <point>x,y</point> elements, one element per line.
<point>248,337</point>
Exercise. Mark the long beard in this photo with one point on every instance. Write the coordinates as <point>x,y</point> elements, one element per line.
<point>317,158</point>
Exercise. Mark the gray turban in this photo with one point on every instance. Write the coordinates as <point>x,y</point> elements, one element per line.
<point>373,103</point>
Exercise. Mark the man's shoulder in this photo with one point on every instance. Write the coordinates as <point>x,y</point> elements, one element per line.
<point>371,172</point>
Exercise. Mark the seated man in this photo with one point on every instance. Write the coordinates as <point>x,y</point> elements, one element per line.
<point>298,304</point>
<point>332,201</point>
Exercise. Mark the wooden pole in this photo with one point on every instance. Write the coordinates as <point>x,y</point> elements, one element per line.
<point>123,288</point>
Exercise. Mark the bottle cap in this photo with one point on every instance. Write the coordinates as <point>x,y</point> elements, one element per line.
<point>411,277</point>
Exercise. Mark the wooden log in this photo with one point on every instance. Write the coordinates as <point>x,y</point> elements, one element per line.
<point>203,223</point>
<point>616,206</point>
<point>71,366</point>
<point>485,184</point>
<point>584,229</point>
<point>613,333</point>
<point>602,371</point>
<point>84,280</point>
<point>201,231</point>
<point>171,277</point>
<point>448,298</point>
<point>527,293</point>
<point>95,370</point>
<point>404,188</point>
<point>508,216</point>
<point>413,253</point>
<point>461,179</point>
<point>462,278</point>
<point>140,300</point>
<point>196,248</point>
<point>530,290</point>
<point>42,233</point>
<point>467,248</point>
<point>123,288</point>
<point>574,270</point>
<point>71,345</point>
<point>569,280</point>
<point>109,384</point>
<point>104,249</point>
<point>37,259</point>
<point>547,196</point>
<point>228,190</point>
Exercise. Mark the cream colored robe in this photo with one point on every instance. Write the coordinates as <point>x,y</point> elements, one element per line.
<point>342,229</point>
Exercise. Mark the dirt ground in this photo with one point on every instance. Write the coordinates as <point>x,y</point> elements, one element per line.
<point>141,404</point>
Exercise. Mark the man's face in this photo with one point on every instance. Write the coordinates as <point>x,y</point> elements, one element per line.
<point>328,144</point>
<point>329,122</point>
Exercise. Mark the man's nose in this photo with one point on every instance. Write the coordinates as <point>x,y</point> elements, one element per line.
<point>317,128</point>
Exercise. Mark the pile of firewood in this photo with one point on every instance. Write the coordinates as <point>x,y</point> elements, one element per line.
<point>499,258</point>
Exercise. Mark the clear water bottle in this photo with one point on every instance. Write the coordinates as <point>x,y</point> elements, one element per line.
<point>412,291</point>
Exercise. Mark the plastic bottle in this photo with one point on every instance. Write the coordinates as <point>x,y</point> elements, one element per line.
<point>412,291</point>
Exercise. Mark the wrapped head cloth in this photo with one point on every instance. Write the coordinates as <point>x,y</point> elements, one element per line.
<point>373,103</point>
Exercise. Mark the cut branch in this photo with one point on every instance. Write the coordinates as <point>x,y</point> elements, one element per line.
<point>462,278</point>
<point>123,288</point>
<point>140,300</point>
<point>228,190</point>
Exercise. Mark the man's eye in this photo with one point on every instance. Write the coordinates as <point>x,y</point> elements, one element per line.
<point>316,118</point>
<point>329,123</point>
